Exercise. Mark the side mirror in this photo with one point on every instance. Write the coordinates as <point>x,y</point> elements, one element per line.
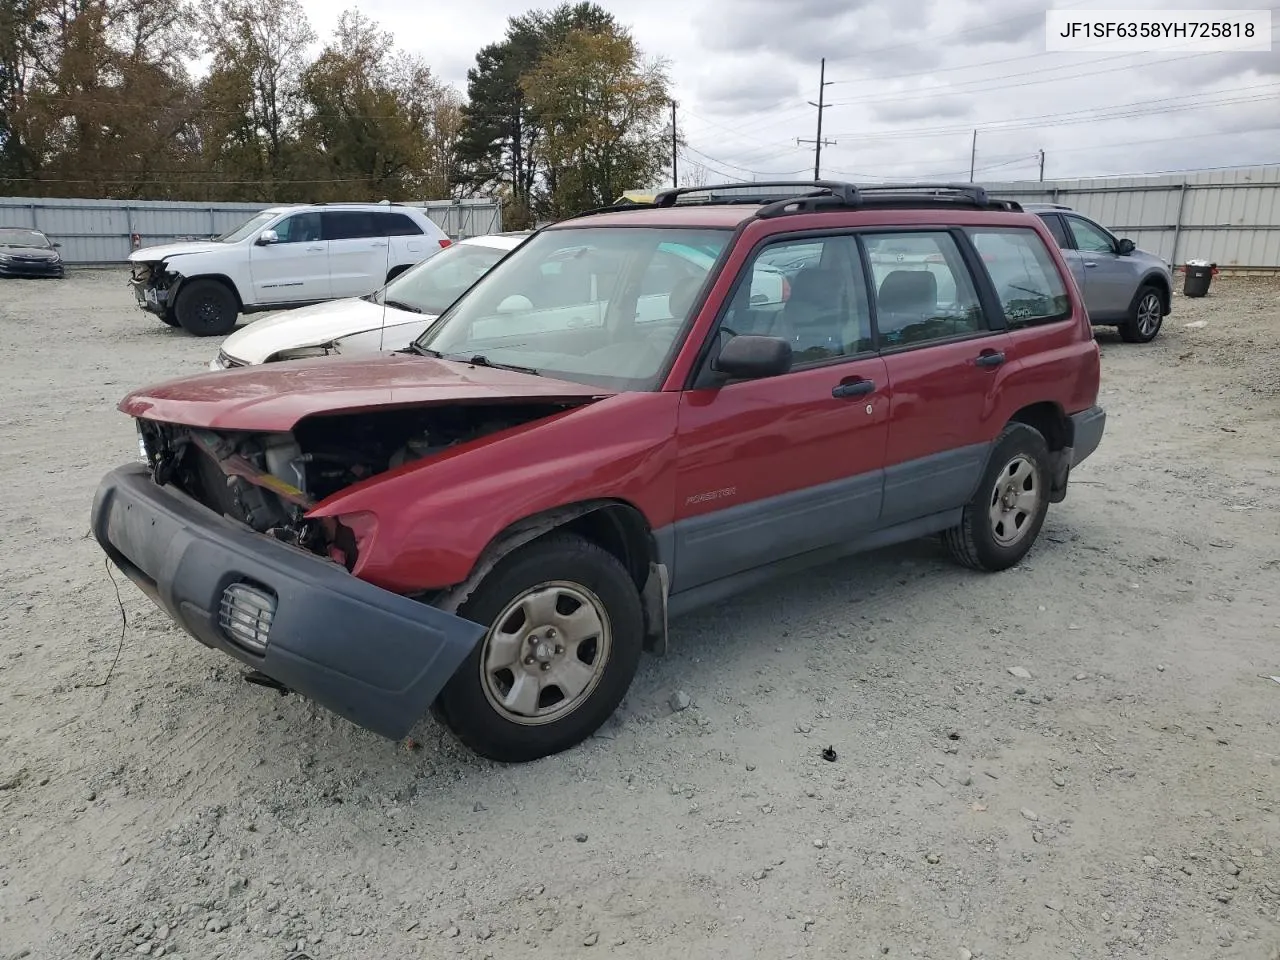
<point>752,358</point>
<point>56,246</point>
<point>515,304</point>
<point>268,237</point>
<point>1126,247</point>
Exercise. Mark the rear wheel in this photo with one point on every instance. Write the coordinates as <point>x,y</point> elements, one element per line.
<point>564,640</point>
<point>1001,522</point>
<point>1145,317</point>
<point>206,308</point>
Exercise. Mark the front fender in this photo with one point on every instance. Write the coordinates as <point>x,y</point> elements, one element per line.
<point>434,521</point>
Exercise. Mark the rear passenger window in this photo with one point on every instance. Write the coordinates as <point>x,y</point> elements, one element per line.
<point>1030,289</point>
<point>820,309</point>
<point>1059,231</point>
<point>351,225</point>
<point>398,225</point>
<point>923,289</point>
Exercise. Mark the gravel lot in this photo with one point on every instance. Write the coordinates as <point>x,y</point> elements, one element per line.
<point>1122,801</point>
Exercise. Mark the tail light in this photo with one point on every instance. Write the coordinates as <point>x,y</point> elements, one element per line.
<point>445,242</point>
<point>934,258</point>
<point>786,289</point>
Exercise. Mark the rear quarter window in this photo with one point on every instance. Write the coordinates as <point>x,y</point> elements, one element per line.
<point>398,225</point>
<point>1027,282</point>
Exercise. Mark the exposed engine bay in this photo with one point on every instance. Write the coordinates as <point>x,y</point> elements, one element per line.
<point>152,284</point>
<point>270,480</point>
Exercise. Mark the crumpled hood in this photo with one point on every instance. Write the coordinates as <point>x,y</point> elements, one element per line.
<point>166,250</point>
<point>309,327</point>
<point>273,397</point>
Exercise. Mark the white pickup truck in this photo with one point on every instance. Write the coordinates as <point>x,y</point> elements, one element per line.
<point>281,258</point>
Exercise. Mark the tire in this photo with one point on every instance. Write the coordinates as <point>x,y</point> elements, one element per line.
<point>1146,316</point>
<point>206,308</point>
<point>554,714</point>
<point>395,272</point>
<point>993,536</point>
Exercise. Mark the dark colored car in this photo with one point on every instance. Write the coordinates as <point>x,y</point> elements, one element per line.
<point>495,523</point>
<point>28,253</point>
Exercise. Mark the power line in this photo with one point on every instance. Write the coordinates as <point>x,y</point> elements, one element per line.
<point>1014,159</point>
<point>759,173</point>
<point>1039,77</point>
<point>144,176</point>
<point>1068,118</point>
<point>1092,115</point>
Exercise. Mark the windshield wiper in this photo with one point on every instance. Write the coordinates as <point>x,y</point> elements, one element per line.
<point>422,351</point>
<point>479,360</point>
<point>401,305</point>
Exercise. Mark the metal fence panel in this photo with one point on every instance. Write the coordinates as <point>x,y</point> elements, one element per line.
<point>99,232</point>
<point>1229,217</point>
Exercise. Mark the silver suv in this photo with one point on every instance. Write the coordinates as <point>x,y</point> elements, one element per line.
<point>1123,287</point>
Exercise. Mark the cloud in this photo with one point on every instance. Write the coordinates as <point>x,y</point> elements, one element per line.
<point>742,86</point>
<point>910,79</point>
<point>942,107</point>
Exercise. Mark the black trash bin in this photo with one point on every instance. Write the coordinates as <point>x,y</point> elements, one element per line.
<point>1199,275</point>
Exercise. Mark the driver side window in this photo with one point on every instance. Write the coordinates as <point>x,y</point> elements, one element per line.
<point>1089,238</point>
<point>821,309</point>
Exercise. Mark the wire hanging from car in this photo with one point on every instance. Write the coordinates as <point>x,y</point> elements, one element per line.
<point>124,626</point>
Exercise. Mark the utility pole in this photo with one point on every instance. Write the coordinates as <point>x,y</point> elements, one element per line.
<point>973,153</point>
<point>1042,166</point>
<point>822,105</point>
<point>675,179</point>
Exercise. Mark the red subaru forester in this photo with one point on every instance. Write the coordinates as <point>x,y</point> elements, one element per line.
<point>637,411</point>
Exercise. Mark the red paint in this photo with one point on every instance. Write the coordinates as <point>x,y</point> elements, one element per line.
<point>275,396</point>
<point>671,454</point>
<point>762,438</point>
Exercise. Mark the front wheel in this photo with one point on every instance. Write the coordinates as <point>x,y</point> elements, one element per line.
<point>564,641</point>
<point>1003,519</point>
<point>206,308</point>
<point>1145,317</point>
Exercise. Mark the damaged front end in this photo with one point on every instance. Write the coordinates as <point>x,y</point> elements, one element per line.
<point>271,481</point>
<point>154,285</point>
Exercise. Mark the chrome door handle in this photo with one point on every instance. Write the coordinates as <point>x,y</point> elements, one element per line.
<point>316,249</point>
<point>1091,263</point>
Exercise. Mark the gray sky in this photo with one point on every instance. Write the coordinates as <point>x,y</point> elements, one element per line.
<point>912,79</point>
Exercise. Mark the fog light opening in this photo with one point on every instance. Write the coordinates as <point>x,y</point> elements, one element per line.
<point>246,614</point>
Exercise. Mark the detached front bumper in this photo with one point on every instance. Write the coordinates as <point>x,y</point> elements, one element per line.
<point>374,657</point>
<point>149,298</point>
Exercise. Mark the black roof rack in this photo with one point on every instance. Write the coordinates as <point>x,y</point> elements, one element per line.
<point>752,192</point>
<point>969,194</point>
<point>807,196</point>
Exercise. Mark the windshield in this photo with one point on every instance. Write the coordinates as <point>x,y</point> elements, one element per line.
<point>247,229</point>
<point>596,305</point>
<point>435,283</point>
<point>23,238</point>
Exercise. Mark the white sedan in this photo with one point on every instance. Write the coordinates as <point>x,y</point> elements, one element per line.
<point>389,319</point>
